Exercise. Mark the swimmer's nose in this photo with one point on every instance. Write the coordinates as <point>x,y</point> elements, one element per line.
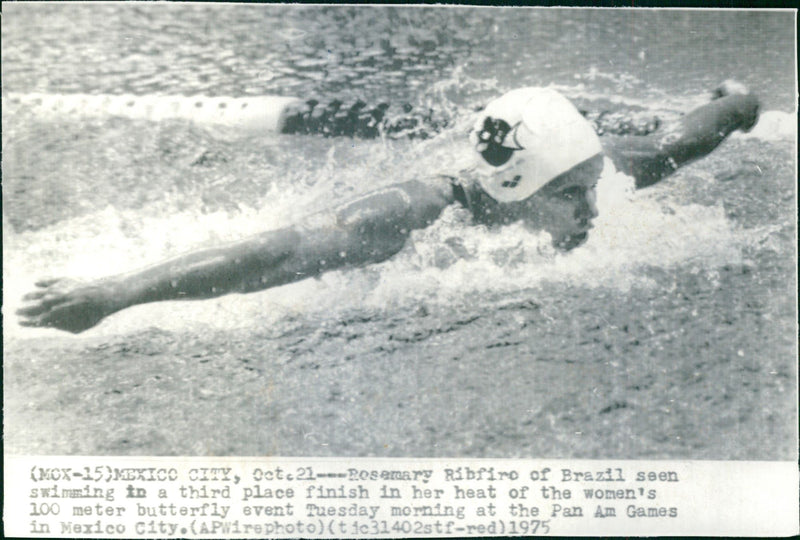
<point>588,207</point>
<point>591,199</point>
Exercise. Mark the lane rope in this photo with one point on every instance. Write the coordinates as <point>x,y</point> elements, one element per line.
<point>292,115</point>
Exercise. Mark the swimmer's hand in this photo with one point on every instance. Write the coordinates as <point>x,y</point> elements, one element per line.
<point>67,304</point>
<point>747,103</point>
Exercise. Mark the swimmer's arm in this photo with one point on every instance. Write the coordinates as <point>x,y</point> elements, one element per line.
<point>368,230</point>
<point>652,158</point>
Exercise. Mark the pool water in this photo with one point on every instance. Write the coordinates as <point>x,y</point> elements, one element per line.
<point>670,334</point>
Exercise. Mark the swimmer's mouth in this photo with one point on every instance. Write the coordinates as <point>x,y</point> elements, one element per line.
<point>573,240</point>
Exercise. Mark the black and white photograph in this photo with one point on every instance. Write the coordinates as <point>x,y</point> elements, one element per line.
<point>399,231</point>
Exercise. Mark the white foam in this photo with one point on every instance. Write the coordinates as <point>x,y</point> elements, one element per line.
<point>450,260</point>
<point>634,230</point>
<point>772,126</point>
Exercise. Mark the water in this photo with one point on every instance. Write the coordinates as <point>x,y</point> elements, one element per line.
<point>392,52</point>
<point>669,334</point>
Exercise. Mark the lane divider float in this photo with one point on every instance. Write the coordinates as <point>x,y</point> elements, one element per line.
<point>258,114</point>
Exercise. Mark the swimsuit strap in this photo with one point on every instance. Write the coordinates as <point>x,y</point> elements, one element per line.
<point>459,192</point>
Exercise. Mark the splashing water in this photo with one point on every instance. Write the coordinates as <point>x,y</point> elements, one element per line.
<point>669,333</point>
<point>452,261</point>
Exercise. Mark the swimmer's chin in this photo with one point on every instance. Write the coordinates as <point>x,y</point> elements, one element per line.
<point>572,241</point>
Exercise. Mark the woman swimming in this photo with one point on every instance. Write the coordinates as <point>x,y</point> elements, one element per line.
<point>537,160</point>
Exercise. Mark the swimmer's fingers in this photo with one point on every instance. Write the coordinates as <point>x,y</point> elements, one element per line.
<point>50,293</point>
<point>39,322</point>
<point>748,104</point>
<point>41,305</point>
<point>43,292</point>
<point>34,322</point>
<point>47,282</point>
<point>31,310</point>
<point>32,318</point>
<point>64,303</point>
<point>35,295</point>
<point>52,289</point>
<point>72,316</point>
<point>47,296</point>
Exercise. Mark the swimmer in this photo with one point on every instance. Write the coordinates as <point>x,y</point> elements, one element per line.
<point>537,160</point>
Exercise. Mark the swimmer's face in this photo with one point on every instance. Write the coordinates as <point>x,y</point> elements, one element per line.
<point>564,207</point>
<point>565,210</point>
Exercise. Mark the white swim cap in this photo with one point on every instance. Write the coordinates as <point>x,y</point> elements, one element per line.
<point>526,138</point>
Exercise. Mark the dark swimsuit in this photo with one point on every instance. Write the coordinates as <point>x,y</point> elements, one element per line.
<point>483,208</point>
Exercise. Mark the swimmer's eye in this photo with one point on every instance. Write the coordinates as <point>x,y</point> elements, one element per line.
<point>571,193</point>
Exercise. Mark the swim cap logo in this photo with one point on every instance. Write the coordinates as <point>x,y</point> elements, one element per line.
<point>493,141</point>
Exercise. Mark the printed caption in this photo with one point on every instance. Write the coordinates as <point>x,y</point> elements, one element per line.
<point>249,498</point>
